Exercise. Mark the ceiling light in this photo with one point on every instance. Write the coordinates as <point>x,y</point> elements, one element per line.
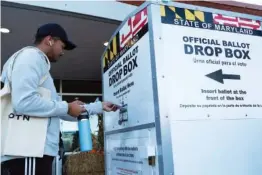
<point>105,43</point>
<point>4,30</point>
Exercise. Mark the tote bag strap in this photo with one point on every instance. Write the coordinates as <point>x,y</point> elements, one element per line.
<point>43,79</point>
<point>12,62</point>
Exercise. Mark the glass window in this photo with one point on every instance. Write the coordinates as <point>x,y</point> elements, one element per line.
<point>70,140</point>
<point>85,99</point>
<point>81,86</point>
<point>57,85</point>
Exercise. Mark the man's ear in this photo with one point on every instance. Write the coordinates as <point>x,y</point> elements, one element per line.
<point>49,41</point>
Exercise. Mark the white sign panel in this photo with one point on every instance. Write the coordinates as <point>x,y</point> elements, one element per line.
<point>214,65</point>
<point>127,77</point>
<point>126,160</point>
<point>127,153</point>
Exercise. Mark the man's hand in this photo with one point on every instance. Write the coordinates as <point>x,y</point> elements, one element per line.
<point>74,108</point>
<point>108,106</point>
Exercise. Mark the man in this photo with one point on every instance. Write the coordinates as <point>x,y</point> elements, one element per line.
<point>30,66</point>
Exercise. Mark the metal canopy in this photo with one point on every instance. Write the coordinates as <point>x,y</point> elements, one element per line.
<point>88,32</point>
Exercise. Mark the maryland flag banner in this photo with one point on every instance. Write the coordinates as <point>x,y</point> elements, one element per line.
<point>134,29</point>
<point>207,20</point>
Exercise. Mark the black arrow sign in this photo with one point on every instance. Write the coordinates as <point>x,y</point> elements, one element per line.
<point>219,76</point>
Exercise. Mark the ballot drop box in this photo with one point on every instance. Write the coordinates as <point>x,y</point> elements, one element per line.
<point>188,80</point>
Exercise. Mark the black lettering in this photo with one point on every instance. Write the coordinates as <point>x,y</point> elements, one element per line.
<point>130,55</point>
<point>115,68</point>
<point>120,73</point>
<point>188,49</point>
<point>224,43</point>
<point>204,41</point>
<point>115,77</point>
<point>11,115</point>
<point>228,53</point>
<point>26,117</point>
<point>131,65</point>
<point>134,52</point>
<point>246,56</point>
<point>136,49</point>
<point>185,38</point>
<point>134,63</point>
<point>199,49</point>
<point>239,98</point>
<point>18,116</point>
<point>209,51</point>
<point>218,51</point>
<point>125,70</point>
<point>238,54</point>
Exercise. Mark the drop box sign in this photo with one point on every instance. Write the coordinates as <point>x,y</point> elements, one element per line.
<point>216,64</point>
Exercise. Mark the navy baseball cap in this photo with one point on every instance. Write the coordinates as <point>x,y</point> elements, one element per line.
<point>55,30</point>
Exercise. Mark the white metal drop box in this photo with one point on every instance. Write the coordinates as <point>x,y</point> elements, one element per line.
<point>188,79</point>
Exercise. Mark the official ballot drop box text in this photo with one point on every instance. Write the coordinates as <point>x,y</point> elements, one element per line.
<point>187,78</point>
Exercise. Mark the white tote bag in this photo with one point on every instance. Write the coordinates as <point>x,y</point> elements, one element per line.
<point>22,135</point>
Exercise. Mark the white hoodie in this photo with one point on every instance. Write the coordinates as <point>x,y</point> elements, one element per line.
<point>30,66</point>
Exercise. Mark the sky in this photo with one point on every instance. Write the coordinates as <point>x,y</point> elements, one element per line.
<point>258,2</point>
